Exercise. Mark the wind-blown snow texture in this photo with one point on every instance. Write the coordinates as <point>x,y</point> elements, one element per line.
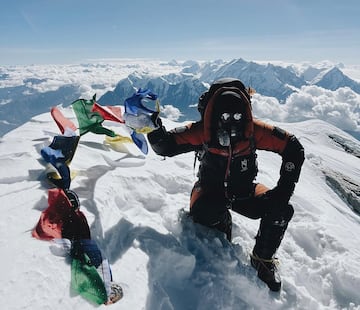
<point>162,260</point>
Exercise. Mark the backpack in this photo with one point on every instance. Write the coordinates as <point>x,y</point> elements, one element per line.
<point>224,82</point>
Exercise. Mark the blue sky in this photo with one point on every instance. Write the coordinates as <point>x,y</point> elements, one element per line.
<point>72,31</point>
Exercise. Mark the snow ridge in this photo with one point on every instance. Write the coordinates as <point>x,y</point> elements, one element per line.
<point>135,208</point>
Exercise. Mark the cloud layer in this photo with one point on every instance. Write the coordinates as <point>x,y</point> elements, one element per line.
<point>340,108</point>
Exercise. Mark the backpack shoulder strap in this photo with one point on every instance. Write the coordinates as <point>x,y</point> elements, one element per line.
<point>252,144</point>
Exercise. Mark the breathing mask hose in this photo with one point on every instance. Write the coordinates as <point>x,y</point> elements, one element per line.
<point>227,173</point>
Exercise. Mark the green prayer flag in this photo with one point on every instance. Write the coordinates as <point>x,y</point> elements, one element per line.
<point>86,280</point>
<point>88,120</point>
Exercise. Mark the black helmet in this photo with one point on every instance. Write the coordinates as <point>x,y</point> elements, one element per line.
<point>223,82</point>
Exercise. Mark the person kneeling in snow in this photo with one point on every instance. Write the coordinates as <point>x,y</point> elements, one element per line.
<point>227,138</point>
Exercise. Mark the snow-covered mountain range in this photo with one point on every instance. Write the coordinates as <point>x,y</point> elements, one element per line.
<point>30,90</point>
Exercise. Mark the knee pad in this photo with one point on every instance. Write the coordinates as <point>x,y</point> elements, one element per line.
<point>280,215</point>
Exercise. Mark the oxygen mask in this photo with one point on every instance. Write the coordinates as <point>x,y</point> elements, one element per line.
<point>230,128</point>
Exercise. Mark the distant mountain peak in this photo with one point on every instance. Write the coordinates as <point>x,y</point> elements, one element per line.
<point>334,78</point>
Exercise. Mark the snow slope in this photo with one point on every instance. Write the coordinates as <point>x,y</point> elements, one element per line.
<point>162,260</point>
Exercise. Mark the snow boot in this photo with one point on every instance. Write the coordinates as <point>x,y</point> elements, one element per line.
<point>267,271</point>
<point>271,232</point>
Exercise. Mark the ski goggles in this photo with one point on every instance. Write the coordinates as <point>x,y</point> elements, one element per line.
<point>227,117</point>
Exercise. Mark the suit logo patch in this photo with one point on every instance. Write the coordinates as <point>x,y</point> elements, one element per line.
<point>289,166</point>
<point>244,165</point>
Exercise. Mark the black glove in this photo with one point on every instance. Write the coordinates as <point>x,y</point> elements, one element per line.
<point>158,136</point>
<point>156,120</point>
<point>280,194</point>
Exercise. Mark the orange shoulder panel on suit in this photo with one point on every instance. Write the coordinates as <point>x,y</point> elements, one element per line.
<point>191,134</point>
<point>266,140</point>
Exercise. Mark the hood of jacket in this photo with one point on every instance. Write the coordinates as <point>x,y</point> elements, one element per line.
<point>210,126</point>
